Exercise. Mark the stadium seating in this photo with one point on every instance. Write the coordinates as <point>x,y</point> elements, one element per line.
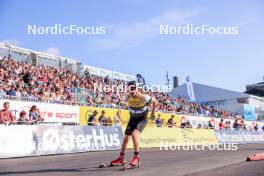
<point>25,81</point>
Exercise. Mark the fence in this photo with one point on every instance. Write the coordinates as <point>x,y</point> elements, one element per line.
<point>18,141</point>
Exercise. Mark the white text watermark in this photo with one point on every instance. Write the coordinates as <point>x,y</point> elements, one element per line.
<point>190,29</point>
<point>190,146</point>
<point>59,29</point>
<point>124,88</point>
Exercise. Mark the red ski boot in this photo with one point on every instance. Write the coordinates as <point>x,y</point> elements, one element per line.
<point>135,161</point>
<point>119,161</point>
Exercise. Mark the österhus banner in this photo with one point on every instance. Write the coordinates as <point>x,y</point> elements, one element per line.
<point>41,140</point>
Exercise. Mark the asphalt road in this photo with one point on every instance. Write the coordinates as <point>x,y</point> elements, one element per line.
<point>153,163</point>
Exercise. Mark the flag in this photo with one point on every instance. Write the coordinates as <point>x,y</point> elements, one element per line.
<point>190,89</point>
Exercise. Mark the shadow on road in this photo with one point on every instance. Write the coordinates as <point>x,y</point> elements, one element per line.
<point>66,170</point>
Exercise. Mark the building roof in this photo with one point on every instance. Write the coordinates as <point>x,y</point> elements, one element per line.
<point>256,89</point>
<point>205,93</point>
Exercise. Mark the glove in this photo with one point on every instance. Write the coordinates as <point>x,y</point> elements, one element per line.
<point>152,117</point>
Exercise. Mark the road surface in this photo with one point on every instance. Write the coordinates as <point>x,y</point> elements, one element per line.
<point>153,163</point>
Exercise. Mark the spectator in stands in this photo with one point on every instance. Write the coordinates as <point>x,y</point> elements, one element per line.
<point>256,127</point>
<point>227,125</point>
<point>236,125</point>
<point>35,115</point>
<point>159,121</point>
<point>109,121</point>
<point>188,124</point>
<point>11,91</point>
<point>241,124</point>
<point>2,92</point>
<point>221,124</point>
<point>243,127</point>
<point>27,77</point>
<point>262,128</point>
<point>46,83</point>
<point>23,120</point>
<point>210,125</point>
<point>6,116</point>
<point>118,119</point>
<point>199,126</point>
<point>103,119</point>
<point>171,122</point>
<point>89,100</point>
<point>183,124</point>
<point>91,118</point>
<point>87,73</point>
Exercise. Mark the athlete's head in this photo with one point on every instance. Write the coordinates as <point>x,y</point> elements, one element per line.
<point>132,87</point>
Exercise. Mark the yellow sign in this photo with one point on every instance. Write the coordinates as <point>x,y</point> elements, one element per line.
<point>155,137</point>
<point>110,113</point>
<point>198,136</point>
<point>152,136</point>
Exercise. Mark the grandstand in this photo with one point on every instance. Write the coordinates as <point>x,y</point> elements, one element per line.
<point>41,77</point>
<point>37,58</point>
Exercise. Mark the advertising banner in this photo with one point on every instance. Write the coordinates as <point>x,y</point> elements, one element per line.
<point>50,112</point>
<point>199,136</point>
<point>17,141</point>
<point>249,112</point>
<point>42,140</point>
<point>240,137</point>
<point>152,137</point>
<point>110,113</point>
<point>71,139</point>
<point>155,137</point>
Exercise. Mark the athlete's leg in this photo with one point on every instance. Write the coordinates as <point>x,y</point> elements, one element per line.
<point>128,132</point>
<point>124,144</point>
<point>135,138</point>
<point>120,159</point>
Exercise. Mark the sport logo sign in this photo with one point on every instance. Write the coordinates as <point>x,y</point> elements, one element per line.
<point>96,139</point>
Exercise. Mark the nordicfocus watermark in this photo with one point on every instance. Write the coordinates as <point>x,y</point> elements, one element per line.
<point>191,29</point>
<point>59,29</point>
<point>190,146</point>
<point>120,88</point>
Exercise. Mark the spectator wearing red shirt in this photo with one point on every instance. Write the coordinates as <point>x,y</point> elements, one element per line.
<point>6,116</point>
<point>221,124</point>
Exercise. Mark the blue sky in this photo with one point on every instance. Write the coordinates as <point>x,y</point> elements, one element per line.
<point>132,43</point>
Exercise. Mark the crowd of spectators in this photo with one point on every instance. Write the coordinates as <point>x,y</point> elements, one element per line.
<point>224,124</point>
<point>45,83</point>
<point>33,116</point>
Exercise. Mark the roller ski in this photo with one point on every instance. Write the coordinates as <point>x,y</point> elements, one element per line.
<point>118,162</point>
<point>135,163</point>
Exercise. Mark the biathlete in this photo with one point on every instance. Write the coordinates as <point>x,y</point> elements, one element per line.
<point>138,104</point>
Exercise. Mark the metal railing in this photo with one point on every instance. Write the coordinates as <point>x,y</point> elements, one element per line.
<point>73,103</point>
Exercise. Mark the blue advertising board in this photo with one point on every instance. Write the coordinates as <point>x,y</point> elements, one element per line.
<point>249,112</point>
